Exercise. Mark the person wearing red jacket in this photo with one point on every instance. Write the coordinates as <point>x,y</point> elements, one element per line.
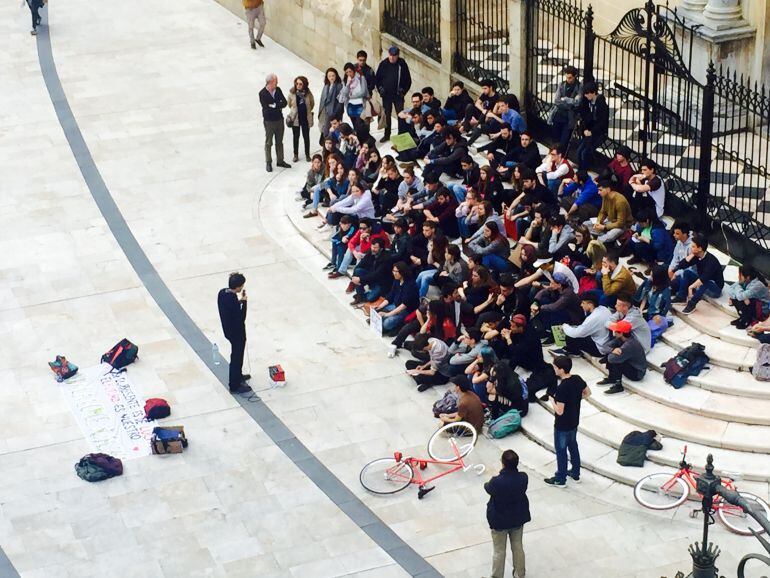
<point>359,245</point>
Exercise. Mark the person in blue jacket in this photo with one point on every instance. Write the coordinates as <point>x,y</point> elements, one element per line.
<point>651,242</point>
<point>507,512</point>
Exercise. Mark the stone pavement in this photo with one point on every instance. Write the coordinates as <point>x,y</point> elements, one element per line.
<point>165,95</point>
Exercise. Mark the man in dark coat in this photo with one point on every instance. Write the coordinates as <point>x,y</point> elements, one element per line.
<point>393,82</point>
<point>507,512</point>
<point>273,102</point>
<point>232,313</point>
<point>594,124</point>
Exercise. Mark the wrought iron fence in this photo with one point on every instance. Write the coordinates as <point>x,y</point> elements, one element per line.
<point>740,152</point>
<point>710,140</point>
<point>416,22</point>
<point>482,49</point>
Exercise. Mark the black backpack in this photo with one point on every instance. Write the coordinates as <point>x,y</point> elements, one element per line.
<point>124,353</point>
<point>690,361</point>
<point>98,467</point>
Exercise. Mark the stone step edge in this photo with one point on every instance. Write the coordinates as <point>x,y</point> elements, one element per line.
<point>659,457</point>
<point>639,389</point>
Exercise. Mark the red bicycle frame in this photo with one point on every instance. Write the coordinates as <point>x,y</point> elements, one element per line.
<point>418,464</point>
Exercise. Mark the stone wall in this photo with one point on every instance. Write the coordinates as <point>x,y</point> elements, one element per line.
<point>323,32</point>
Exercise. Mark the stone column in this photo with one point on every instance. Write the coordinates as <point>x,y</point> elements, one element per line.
<point>375,47</point>
<point>692,6</point>
<point>448,31</point>
<point>723,12</point>
<point>517,22</point>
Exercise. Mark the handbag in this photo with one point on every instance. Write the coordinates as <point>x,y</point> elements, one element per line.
<point>289,120</point>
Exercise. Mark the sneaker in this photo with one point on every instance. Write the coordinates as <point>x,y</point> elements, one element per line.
<point>322,226</point>
<point>735,322</point>
<point>33,32</point>
<point>544,397</point>
<point>617,388</point>
<point>689,308</point>
<point>283,165</point>
<point>385,138</point>
<point>328,267</point>
<point>560,351</point>
<point>246,377</point>
<point>606,381</point>
<point>260,43</point>
<point>392,350</point>
<point>575,479</point>
<point>424,387</point>
<point>241,389</point>
<point>556,482</point>
<point>678,299</point>
<point>310,214</point>
<point>742,324</point>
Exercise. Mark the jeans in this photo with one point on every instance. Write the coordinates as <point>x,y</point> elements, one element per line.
<point>682,284</point>
<point>459,192</point>
<point>423,281</point>
<point>392,322</point>
<point>553,186</point>
<point>34,7</point>
<point>463,227</point>
<point>577,345</point>
<point>564,441</point>
<point>617,371</point>
<point>346,261</point>
<point>587,149</point>
<point>496,263</point>
<point>371,294</point>
<point>643,251</point>
<point>361,127</point>
<point>499,539</point>
<point>338,252</point>
<point>480,389</point>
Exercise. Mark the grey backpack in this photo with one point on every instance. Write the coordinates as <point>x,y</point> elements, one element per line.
<point>761,369</point>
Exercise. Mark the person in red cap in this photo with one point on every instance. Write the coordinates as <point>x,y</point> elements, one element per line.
<point>625,359</point>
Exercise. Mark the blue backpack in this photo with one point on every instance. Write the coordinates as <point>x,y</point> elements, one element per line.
<point>505,425</point>
<point>690,361</point>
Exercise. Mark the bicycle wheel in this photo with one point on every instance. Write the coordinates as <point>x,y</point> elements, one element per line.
<point>460,433</point>
<point>661,491</point>
<point>739,521</point>
<point>386,476</point>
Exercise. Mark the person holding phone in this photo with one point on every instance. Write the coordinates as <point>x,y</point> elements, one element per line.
<point>232,303</point>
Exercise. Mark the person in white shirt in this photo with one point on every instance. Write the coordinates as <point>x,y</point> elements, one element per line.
<point>648,189</point>
<point>554,169</point>
<point>591,336</point>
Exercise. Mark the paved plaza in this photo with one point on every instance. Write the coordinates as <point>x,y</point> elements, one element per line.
<point>165,96</point>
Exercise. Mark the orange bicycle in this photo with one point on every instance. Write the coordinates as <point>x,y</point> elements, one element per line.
<point>665,491</point>
<point>447,447</point>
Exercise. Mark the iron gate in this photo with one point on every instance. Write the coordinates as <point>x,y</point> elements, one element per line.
<point>642,68</point>
<point>482,48</point>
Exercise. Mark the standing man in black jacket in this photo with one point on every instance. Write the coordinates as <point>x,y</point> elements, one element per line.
<point>393,82</point>
<point>273,102</point>
<point>232,313</point>
<point>507,512</point>
<point>594,121</point>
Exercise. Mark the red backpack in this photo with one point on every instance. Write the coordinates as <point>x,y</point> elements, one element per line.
<point>156,408</point>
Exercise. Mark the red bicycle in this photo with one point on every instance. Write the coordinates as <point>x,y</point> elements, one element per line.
<point>447,447</point>
<point>665,491</point>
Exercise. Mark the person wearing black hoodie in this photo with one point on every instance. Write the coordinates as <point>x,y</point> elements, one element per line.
<point>456,103</point>
<point>393,82</point>
<point>232,314</point>
<point>449,160</point>
<point>523,349</point>
<point>507,512</point>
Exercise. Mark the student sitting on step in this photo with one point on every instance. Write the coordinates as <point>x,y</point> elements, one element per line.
<point>750,297</point>
<point>625,359</point>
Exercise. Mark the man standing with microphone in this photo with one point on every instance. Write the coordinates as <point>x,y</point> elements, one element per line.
<point>232,312</point>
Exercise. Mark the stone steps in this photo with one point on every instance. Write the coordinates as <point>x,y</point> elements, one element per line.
<point>717,378</point>
<point>727,355</point>
<point>701,402</point>
<point>715,322</point>
<point>603,434</point>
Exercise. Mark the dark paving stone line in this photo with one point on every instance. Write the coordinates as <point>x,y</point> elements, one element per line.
<point>281,435</point>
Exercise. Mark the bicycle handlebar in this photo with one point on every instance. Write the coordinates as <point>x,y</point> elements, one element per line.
<point>734,498</point>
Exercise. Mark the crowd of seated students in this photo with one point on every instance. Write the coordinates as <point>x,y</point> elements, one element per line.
<point>474,256</point>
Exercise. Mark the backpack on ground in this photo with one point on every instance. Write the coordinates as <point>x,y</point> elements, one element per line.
<point>633,448</point>
<point>124,353</point>
<point>156,408</point>
<point>505,425</point>
<point>447,404</point>
<point>168,439</point>
<point>62,368</point>
<point>98,467</point>
<point>688,362</point>
<point>761,368</point>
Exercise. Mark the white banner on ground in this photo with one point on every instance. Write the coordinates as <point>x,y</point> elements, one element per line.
<point>375,321</point>
<point>109,412</point>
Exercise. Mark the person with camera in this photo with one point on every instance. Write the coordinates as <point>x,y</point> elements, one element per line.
<point>232,313</point>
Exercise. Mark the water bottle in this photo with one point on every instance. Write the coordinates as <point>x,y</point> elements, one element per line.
<point>215,354</point>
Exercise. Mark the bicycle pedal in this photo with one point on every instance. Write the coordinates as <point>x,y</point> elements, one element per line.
<point>422,491</point>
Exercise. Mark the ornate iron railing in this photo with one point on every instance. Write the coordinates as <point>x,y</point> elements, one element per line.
<point>482,48</point>
<point>416,22</point>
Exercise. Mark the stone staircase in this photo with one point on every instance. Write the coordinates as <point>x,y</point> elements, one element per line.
<point>724,411</point>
